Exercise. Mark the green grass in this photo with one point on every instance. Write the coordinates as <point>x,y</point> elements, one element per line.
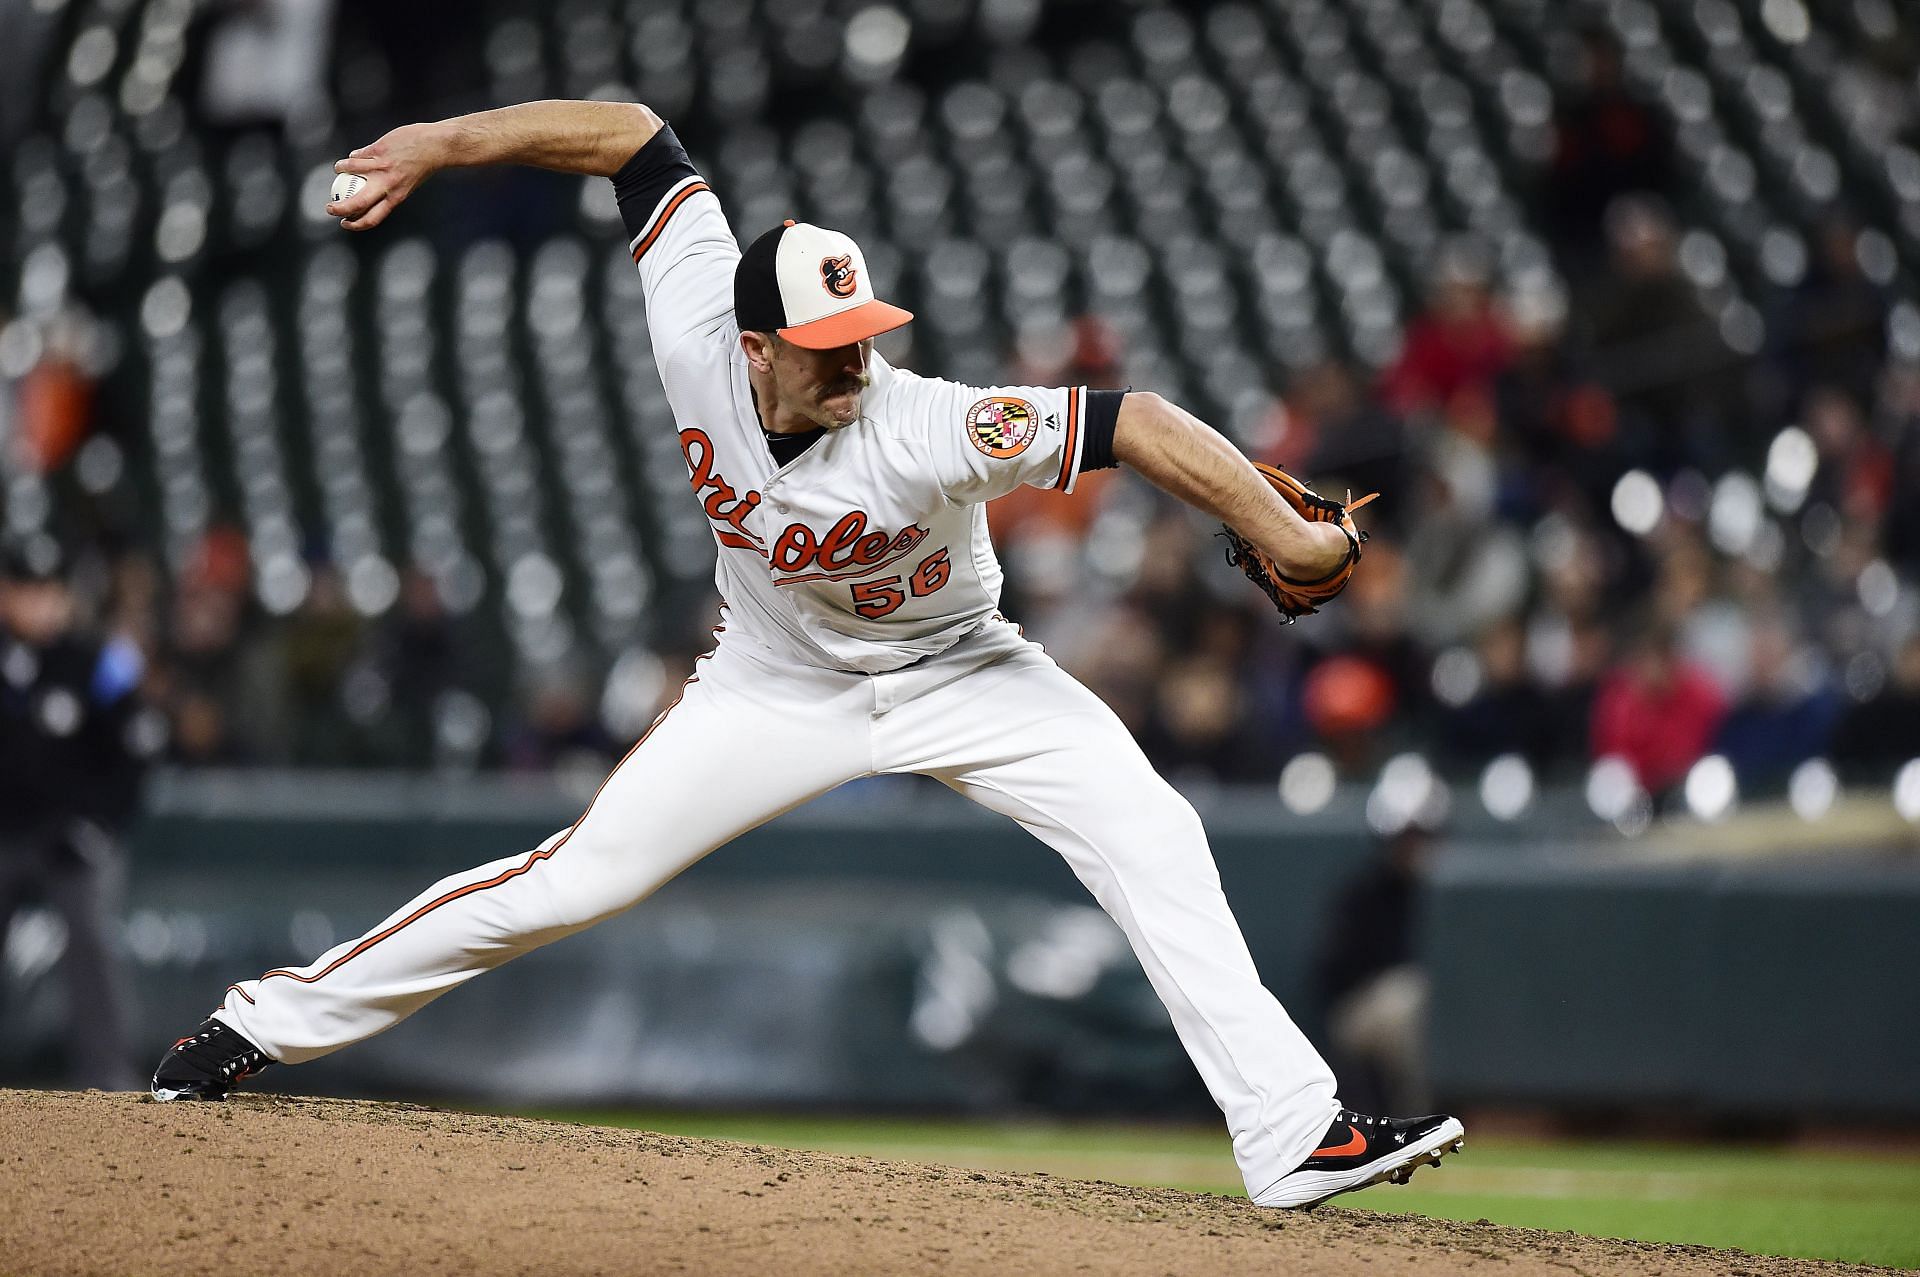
<point>1855,1206</point>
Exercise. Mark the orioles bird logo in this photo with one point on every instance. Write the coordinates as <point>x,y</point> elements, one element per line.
<point>839,276</point>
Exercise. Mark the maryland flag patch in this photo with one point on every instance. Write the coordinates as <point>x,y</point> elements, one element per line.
<point>1002,427</point>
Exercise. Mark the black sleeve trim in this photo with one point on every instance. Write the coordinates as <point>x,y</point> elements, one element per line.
<point>644,180</point>
<point>1103,417</point>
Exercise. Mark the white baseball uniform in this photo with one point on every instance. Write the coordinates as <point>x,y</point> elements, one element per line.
<point>859,636</point>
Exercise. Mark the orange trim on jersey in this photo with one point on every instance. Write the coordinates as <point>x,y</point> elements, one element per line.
<point>738,542</point>
<point>660,222</point>
<point>234,988</point>
<point>532,859</point>
<point>1073,441</point>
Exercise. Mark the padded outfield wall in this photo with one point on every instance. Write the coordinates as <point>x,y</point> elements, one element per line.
<point>892,946</point>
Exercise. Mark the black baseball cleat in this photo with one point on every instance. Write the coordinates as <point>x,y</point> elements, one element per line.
<point>1358,1151</point>
<point>205,1065</point>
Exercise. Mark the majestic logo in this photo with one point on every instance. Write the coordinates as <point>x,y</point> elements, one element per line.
<point>839,276</point>
<point>1002,427</point>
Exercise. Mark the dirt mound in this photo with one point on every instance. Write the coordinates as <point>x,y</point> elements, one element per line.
<point>115,1184</point>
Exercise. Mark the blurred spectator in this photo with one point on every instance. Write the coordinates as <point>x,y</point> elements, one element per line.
<point>1606,142</point>
<point>1360,699</point>
<point>219,681</point>
<point>1654,345</point>
<point>1493,707</point>
<point>1856,472</point>
<point>1201,722</point>
<point>202,733</point>
<point>1883,732</point>
<point>1569,658</point>
<point>1656,711</point>
<point>1371,982</point>
<point>317,647</point>
<point>1683,580</point>
<point>1198,726</point>
<point>54,402</point>
<point>1832,329</point>
<point>1714,629</point>
<point>558,730</point>
<point>1465,569</point>
<point>1165,585</point>
<point>419,658</point>
<point>133,601</point>
<point>1787,713</point>
<point>201,678</point>
<point>1569,645</point>
<point>1457,346</point>
<point>1348,700</point>
<point>1575,569</point>
<point>73,745</point>
<point>1898,423</point>
<point>1328,427</point>
<point>1121,662</point>
<point>1562,422</point>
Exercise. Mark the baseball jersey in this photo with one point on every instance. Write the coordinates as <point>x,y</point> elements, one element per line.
<point>869,550</point>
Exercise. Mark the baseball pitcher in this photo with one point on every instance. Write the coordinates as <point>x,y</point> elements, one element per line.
<point>859,636</point>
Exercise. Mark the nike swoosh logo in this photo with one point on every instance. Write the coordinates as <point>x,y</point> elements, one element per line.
<point>1358,1144</point>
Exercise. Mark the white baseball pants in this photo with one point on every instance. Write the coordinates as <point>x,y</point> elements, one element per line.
<point>994,718</point>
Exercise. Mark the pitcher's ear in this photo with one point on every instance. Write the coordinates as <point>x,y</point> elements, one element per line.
<point>759,348</point>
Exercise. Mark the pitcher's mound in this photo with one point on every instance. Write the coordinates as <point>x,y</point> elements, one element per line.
<point>115,1184</point>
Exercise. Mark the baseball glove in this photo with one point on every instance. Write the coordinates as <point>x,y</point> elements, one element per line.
<point>1294,597</point>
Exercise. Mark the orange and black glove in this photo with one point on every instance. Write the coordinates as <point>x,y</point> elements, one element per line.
<point>1293,596</point>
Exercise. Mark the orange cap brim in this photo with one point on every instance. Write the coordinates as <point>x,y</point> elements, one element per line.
<point>857,323</point>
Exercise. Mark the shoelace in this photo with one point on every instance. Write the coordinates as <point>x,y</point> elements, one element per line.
<point>239,1066</point>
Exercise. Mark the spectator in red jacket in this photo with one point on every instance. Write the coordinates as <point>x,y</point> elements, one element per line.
<point>1458,345</point>
<point>1657,711</point>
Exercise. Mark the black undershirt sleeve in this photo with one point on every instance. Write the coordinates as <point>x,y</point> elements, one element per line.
<point>1103,416</point>
<point>653,171</point>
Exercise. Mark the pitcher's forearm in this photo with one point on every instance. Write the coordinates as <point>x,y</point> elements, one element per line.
<point>593,138</point>
<point>1183,456</point>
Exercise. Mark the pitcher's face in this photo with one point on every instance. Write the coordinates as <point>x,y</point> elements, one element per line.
<point>821,386</point>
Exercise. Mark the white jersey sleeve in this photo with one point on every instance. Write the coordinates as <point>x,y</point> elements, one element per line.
<point>984,441</point>
<point>680,242</point>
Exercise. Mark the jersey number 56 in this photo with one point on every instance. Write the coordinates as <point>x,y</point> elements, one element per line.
<point>878,598</point>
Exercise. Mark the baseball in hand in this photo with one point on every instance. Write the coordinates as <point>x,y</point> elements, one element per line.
<point>345,186</point>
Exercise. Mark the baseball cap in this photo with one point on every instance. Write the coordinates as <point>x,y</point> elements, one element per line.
<point>810,285</point>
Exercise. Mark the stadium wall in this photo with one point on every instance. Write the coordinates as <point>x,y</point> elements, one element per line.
<point>892,946</point>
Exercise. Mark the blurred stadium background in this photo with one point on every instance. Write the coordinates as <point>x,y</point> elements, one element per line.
<point>379,551</point>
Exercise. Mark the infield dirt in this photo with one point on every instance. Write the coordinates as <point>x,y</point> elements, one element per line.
<point>115,1184</point>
